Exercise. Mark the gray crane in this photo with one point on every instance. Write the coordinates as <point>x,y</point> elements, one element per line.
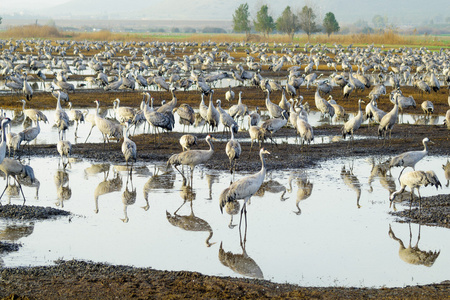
<point>26,89</point>
<point>212,114</point>
<point>233,149</point>
<point>61,119</point>
<point>75,115</point>
<point>410,158</point>
<point>414,180</point>
<point>187,141</point>
<point>32,113</point>
<point>245,188</point>
<point>273,125</point>
<point>5,123</point>
<point>13,168</point>
<point>388,121</point>
<point>274,110</point>
<point>192,158</point>
<point>65,150</point>
<point>354,123</point>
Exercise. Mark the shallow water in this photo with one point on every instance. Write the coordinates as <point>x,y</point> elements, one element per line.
<point>49,134</point>
<point>330,229</point>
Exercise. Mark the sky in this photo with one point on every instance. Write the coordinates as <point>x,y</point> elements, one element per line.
<point>9,6</point>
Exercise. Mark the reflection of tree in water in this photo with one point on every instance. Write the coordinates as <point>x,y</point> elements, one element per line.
<point>352,182</point>
<point>240,263</point>
<point>413,255</point>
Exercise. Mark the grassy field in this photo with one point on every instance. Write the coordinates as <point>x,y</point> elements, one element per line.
<point>388,38</point>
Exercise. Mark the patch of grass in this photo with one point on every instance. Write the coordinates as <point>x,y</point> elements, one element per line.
<point>31,31</point>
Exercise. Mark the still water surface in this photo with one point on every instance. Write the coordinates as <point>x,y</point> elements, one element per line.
<point>329,228</point>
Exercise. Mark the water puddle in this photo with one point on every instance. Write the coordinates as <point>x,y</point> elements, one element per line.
<point>327,226</point>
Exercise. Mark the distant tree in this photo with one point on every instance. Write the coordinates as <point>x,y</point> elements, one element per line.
<point>189,30</point>
<point>241,22</point>
<point>263,22</point>
<point>0,20</point>
<point>175,30</point>
<point>307,19</point>
<point>288,22</point>
<point>379,21</point>
<point>330,24</point>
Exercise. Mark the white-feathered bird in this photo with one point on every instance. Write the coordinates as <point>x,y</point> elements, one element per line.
<point>410,158</point>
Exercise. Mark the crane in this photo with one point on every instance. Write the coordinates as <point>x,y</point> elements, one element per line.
<point>75,115</point>
<point>410,158</point>
<point>128,147</point>
<point>233,149</point>
<point>61,118</point>
<point>192,158</point>
<point>32,113</point>
<point>64,149</point>
<point>354,123</point>
<point>414,180</point>
<point>245,188</point>
<point>5,123</point>
<point>13,168</point>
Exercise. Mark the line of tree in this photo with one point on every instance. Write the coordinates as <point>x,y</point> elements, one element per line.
<point>288,22</point>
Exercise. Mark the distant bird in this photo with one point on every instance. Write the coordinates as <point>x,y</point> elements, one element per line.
<point>238,110</point>
<point>106,127</point>
<point>373,112</point>
<point>273,125</point>
<point>128,148</point>
<point>254,118</point>
<point>192,158</point>
<point>13,168</point>
<point>33,114</point>
<point>304,130</point>
<point>257,133</point>
<point>229,95</point>
<point>187,141</point>
<point>27,90</point>
<point>75,115</point>
<point>226,120</point>
<point>427,107</point>
<point>5,123</point>
<point>30,133</point>
<point>245,188</point>
<point>388,121</point>
<point>274,110</point>
<point>339,111</point>
<point>212,114</point>
<point>65,150</point>
<point>61,119</point>
<point>123,114</point>
<point>354,123</point>
<point>322,105</point>
<point>233,150</point>
<point>414,180</point>
<point>186,114</point>
<point>410,158</point>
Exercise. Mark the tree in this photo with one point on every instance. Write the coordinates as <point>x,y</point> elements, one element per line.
<point>288,22</point>
<point>264,23</point>
<point>307,19</point>
<point>330,24</point>
<point>241,21</point>
<point>379,21</point>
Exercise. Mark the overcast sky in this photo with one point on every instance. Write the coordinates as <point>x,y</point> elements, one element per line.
<point>9,6</point>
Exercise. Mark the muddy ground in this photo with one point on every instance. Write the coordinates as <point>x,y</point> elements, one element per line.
<point>82,280</point>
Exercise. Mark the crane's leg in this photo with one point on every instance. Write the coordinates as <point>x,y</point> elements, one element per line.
<point>89,134</point>
<point>401,173</point>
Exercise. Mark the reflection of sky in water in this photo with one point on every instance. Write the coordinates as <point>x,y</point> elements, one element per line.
<point>331,242</point>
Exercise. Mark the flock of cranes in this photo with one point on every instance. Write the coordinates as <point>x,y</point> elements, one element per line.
<point>376,69</point>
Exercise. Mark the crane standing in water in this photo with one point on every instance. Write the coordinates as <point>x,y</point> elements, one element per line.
<point>245,188</point>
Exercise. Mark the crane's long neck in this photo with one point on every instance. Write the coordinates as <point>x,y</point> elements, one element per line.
<point>58,103</point>
<point>425,146</point>
<point>263,164</point>
<point>211,148</point>
<point>4,132</point>
<point>23,105</point>
<point>240,98</point>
